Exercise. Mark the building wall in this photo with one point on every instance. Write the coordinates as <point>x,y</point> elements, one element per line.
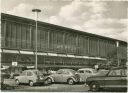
<point>19,34</point>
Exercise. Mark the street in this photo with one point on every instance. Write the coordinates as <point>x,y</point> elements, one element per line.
<point>54,88</point>
<point>47,88</point>
<point>63,87</point>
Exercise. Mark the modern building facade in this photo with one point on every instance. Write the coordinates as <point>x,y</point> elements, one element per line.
<point>57,46</point>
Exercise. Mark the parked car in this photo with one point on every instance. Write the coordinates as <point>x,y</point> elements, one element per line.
<point>86,72</point>
<point>5,75</point>
<point>115,78</point>
<point>64,75</point>
<point>30,77</point>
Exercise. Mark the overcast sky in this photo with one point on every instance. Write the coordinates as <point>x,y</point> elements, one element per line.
<point>107,18</point>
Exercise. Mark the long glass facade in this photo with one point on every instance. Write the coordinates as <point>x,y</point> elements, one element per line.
<point>19,34</point>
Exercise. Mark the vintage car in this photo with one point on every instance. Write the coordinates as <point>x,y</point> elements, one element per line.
<point>30,77</point>
<point>84,73</point>
<point>64,75</point>
<point>115,78</point>
<point>5,75</point>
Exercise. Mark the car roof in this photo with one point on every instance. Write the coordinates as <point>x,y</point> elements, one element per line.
<point>118,68</point>
<point>31,70</point>
<point>86,69</point>
<point>67,69</point>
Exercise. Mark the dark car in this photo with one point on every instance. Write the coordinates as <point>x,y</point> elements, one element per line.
<point>64,75</point>
<point>114,78</point>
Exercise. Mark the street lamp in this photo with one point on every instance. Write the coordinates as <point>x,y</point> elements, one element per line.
<point>117,50</point>
<point>36,11</point>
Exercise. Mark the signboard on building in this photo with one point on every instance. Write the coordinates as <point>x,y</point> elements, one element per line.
<point>14,63</point>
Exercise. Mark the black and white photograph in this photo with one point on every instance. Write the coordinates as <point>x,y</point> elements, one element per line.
<point>64,46</point>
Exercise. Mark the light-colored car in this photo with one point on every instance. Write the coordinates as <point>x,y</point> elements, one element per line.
<point>30,77</point>
<point>64,75</point>
<point>86,72</point>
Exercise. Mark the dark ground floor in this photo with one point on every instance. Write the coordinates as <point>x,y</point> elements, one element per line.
<point>53,61</point>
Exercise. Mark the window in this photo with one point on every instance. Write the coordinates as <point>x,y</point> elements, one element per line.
<point>29,73</point>
<point>65,72</point>
<point>81,71</point>
<point>115,73</point>
<point>23,73</point>
<point>59,71</point>
<point>37,72</point>
<point>88,71</point>
<point>112,73</point>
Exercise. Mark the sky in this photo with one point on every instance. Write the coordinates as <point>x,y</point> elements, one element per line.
<point>106,18</point>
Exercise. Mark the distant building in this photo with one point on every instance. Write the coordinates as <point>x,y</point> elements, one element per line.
<point>57,46</point>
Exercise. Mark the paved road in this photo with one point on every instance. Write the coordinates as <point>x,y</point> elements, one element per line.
<point>48,88</point>
<point>54,88</point>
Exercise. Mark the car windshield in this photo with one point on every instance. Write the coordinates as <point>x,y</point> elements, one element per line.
<point>72,71</point>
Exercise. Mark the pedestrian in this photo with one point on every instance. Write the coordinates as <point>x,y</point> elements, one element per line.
<point>96,67</point>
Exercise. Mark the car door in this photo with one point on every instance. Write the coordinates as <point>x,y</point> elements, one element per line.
<point>29,76</point>
<point>124,78</point>
<point>113,79</point>
<point>58,76</point>
<point>65,76</point>
<point>22,77</point>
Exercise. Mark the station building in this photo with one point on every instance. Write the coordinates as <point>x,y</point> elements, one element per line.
<point>58,47</point>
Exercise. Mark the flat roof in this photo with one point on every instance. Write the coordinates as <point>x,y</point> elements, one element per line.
<point>40,23</point>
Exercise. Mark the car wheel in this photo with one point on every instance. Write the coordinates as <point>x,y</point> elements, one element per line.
<point>31,83</point>
<point>94,86</point>
<point>70,81</point>
<point>48,81</point>
<point>17,82</point>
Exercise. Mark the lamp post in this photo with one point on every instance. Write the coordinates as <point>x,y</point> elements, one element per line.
<point>117,47</point>
<point>36,11</point>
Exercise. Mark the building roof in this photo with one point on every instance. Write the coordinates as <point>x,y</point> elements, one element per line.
<point>32,22</point>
